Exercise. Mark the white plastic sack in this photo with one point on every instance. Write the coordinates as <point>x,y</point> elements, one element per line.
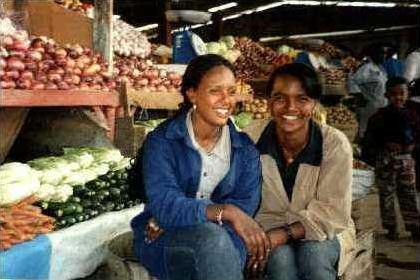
<point>363,181</point>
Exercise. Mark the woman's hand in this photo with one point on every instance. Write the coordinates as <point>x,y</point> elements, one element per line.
<point>256,241</point>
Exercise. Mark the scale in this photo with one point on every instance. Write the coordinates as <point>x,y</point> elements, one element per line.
<point>186,44</point>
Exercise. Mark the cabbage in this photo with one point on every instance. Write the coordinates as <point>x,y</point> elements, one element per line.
<point>99,169</point>
<point>100,154</point>
<point>124,163</point>
<point>229,41</point>
<point>83,159</point>
<point>51,176</point>
<point>62,193</point>
<point>243,120</point>
<point>47,163</point>
<point>14,192</point>
<point>45,192</point>
<point>14,171</point>
<point>213,47</point>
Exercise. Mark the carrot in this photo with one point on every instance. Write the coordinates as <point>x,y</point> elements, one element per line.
<point>5,245</point>
<point>27,213</point>
<point>29,200</point>
<point>15,230</point>
<point>32,208</point>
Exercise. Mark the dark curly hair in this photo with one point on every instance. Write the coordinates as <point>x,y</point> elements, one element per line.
<point>306,75</point>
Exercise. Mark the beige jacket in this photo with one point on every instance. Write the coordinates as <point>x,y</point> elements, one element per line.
<point>322,195</point>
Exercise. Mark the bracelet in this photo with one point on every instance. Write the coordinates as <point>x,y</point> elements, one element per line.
<point>219,215</point>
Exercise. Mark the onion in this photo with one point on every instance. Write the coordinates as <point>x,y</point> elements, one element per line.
<point>14,74</point>
<point>34,55</point>
<point>2,73</point>
<point>92,70</point>
<point>60,53</point>
<point>50,85</point>
<point>84,86</point>
<point>27,75</point>
<point>41,77</point>
<point>23,84</point>
<point>7,84</point>
<point>142,82</point>
<point>2,63</point>
<point>77,71</point>
<point>7,41</point>
<point>37,43</point>
<point>41,50</point>
<point>37,85</point>
<point>161,88</point>
<point>30,65</point>
<point>17,54</point>
<point>70,62</point>
<point>63,85</point>
<point>20,46</point>
<point>54,77</point>
<point>61,61</point>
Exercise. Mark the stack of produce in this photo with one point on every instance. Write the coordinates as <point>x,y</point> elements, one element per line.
<point>330,50</point>
<point>21,222</point>
<point>254,57</point>
<point>58,175</point>
<point>350,64</point>
<point>77,6</point>
<point>243,119</point>
<point>17,182</point>
<point>145,77</point>
<point>224,47</point>
<point>341,116</point>
<point>42,64</point>
<point>287,50</point>
<point>128,41</point>
<point>334,76</point>
<point>258,107</point>
<point>107,193</point>
<point>243,88</point>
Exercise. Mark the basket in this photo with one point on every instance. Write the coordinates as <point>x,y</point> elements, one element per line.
<point>350,130</point>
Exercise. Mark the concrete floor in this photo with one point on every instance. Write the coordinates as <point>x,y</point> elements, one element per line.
<point>396,260</point>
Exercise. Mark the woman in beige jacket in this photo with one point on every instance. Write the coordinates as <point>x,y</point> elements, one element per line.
<point>307,178</point>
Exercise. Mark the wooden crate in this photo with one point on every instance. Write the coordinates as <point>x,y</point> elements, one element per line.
<point>46,18</point>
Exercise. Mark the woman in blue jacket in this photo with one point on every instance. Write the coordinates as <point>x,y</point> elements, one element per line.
<point>202,180</point>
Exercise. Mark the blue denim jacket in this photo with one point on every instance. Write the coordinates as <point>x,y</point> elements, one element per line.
<point>172,168</point>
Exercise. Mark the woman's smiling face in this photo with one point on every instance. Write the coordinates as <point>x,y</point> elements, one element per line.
<point>290,105</point>
<point>215,96</point>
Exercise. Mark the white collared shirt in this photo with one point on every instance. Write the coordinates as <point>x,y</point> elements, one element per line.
<point>215,164</point>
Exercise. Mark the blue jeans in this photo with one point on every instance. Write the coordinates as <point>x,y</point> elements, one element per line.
<point>200,252</point>
<point>304,260</point>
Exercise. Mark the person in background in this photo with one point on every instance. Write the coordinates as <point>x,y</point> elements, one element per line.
<point>393,66</point>
<point>412,66</point>
<point>307,181</point>
<point>413,104</point>
<point>388,145</point>
<point>368,83</point>
<point>202,180</point>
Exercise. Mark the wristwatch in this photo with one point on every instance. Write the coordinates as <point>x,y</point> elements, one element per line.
<point>289,232</point>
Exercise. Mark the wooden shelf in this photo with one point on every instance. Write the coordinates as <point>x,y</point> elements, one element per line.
<point>57,98</point>
<point>105,103</point>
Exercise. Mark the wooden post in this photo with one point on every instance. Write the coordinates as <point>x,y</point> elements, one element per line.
<point>102,30</point>
<point>165,36</point>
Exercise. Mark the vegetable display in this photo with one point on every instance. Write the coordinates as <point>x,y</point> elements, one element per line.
<point>333,76</point>
<point>254,59</point>
<point>128,41</point>
<point>258,107</point>
<point>340,115</point>
<point>21,222</point>
<point>224,47</point>
<point>77,6</point>
<point>107,193</point>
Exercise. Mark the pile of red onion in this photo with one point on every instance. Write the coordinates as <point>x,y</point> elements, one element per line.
<point>144,76</point>
<point>42,64</point>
